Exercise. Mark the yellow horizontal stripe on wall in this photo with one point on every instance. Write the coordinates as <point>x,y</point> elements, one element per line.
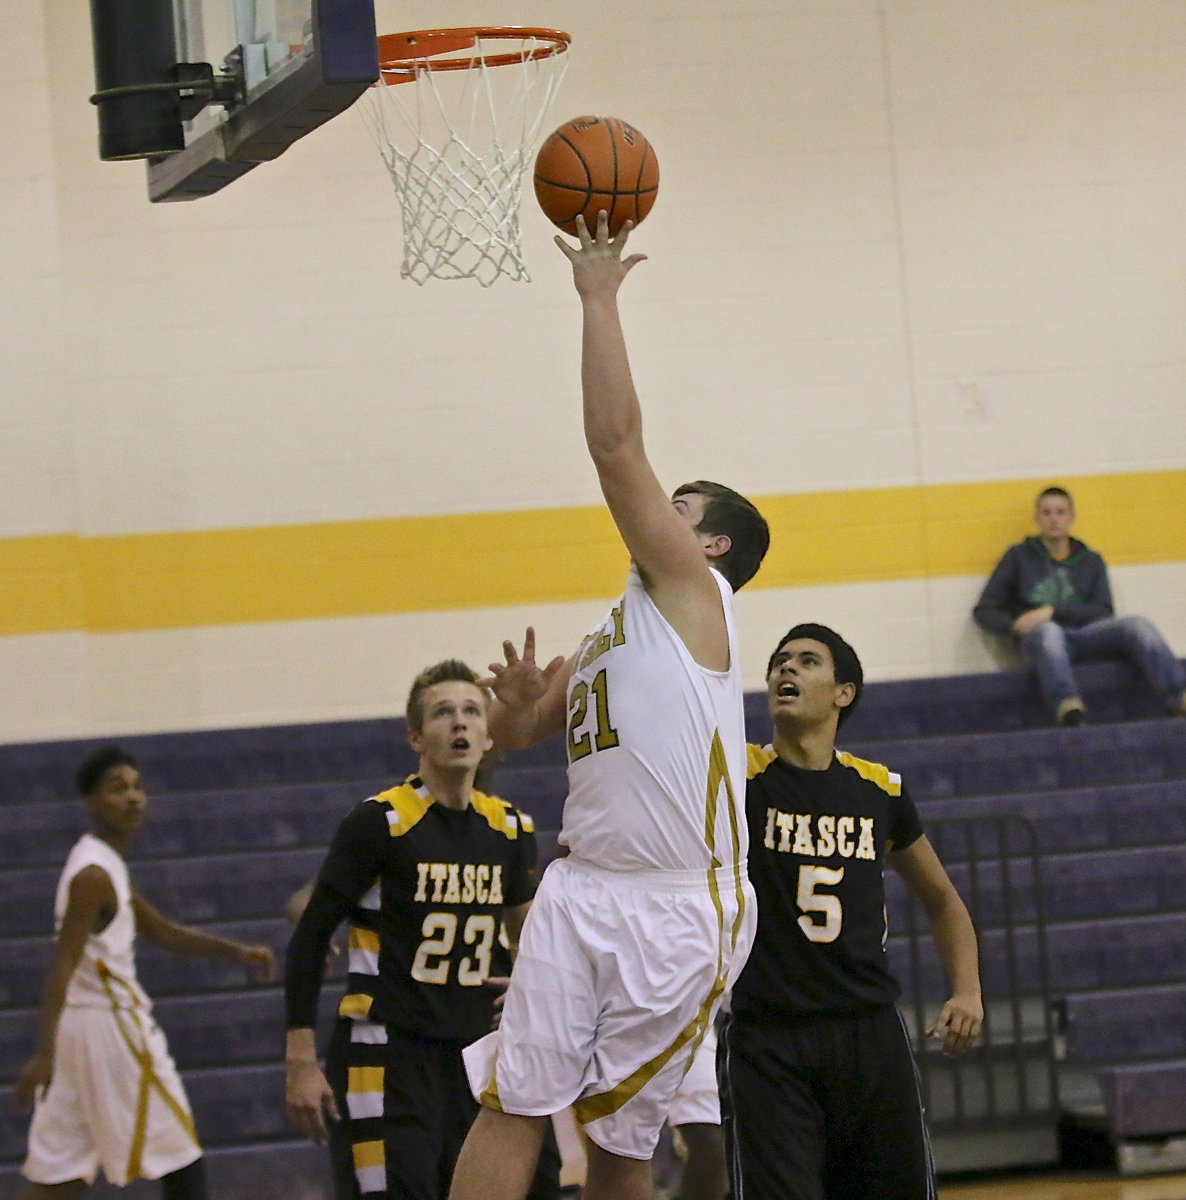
<point>485,560</point>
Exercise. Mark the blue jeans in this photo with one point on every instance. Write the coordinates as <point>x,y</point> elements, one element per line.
<point>1051,648</point>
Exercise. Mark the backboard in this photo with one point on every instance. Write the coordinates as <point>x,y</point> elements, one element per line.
<point>281,68</point>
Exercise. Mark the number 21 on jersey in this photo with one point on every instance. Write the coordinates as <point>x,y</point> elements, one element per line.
<point>582,741</point>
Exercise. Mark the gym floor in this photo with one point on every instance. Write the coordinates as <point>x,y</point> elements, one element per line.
<point>1085,1185</point>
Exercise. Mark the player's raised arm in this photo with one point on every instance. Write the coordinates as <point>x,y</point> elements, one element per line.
<point>668,552</point>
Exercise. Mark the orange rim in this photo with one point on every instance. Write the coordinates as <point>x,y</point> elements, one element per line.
<point>402,56</point>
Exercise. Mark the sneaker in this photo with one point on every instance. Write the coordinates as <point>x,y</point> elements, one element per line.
<point>1070,713</point>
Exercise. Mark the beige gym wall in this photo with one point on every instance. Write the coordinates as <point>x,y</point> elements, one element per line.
<point>909,262</point>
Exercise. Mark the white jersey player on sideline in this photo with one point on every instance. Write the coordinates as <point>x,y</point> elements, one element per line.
<point>635,936</point>
<point>102,1086</point>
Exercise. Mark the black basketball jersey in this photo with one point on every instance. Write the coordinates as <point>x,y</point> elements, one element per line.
<point>429,885</point>
<point>818,841</point>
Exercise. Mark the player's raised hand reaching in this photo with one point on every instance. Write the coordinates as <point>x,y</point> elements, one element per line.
<point>597,263</point>
<point>520,682</point>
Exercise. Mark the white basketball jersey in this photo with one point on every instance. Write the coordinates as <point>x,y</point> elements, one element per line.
<point>106,974</point>
<point>655,745</point>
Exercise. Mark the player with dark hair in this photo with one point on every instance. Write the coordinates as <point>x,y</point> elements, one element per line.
<point>637,933</point>
<point>425,874</point>
<point>818,1086</point>
<point>730,514</point>
<point>1051,593</point>
<point>102,1086</point>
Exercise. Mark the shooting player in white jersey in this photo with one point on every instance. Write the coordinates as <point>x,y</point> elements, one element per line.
<point>635,935</point>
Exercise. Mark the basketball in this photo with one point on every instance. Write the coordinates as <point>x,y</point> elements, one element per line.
<point>595,163</point>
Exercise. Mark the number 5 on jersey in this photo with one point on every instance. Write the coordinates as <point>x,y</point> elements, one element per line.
<point>826,925</point>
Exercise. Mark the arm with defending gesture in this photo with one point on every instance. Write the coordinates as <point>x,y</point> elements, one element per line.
<point>528,699</point>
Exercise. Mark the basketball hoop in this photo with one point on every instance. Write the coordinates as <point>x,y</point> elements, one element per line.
<point>458,144</point>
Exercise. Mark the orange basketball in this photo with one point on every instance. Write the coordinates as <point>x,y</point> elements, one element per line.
<point>595,163</point>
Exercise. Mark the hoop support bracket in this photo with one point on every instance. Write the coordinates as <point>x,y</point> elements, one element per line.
<point>196,85</point>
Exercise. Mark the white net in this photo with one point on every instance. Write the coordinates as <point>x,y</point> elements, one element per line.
<point>457,144</point>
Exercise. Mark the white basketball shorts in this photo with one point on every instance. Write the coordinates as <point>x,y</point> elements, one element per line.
<point>698,1101</point>
<point>617,980</point>
<point>89,1116</point>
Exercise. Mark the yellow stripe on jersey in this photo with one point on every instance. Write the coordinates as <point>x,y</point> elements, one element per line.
<point>409,803</point>
<point>407,807</point>
<point>355,1004</point>
<point>364,939</point>
<point>718,774</point>
<point>885,779</point>
<point>489,1097</point>
<point>757,759</point>
<point>364,1079</point>
<point>368,1154</point>
<point>500,816</point>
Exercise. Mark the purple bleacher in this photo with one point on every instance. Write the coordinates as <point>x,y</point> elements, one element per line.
<point>1083,818</point>
<point>202,888</point>
<point>376,748</point>
<point>1102,1026</point>
<point>1096,883</point>
<point>187,823</point>
<point>1145,1099</point>
<point>539,791</point>
<point>206,759</point>
<point>1033,760</point>
<point>1089,955</point>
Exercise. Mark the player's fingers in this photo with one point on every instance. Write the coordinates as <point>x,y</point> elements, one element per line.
<point>630,263</point>
<point>583,232</point>
<point>307,1122</point>
<point>529,644</point>
<point>330,1105</point>
<point>554,666</point>
<point>510,653</point>
<point>956,1043</point>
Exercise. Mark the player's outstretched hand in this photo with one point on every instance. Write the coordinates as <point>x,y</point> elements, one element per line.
<point>958,1023</point>
<point>261,960</point>
<point>519,682</point>
<point>597,263</point>
<point>34,1078</point>
<point>309,1099</point>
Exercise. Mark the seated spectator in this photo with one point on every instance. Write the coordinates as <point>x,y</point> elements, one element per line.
<point>1051,593</point>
